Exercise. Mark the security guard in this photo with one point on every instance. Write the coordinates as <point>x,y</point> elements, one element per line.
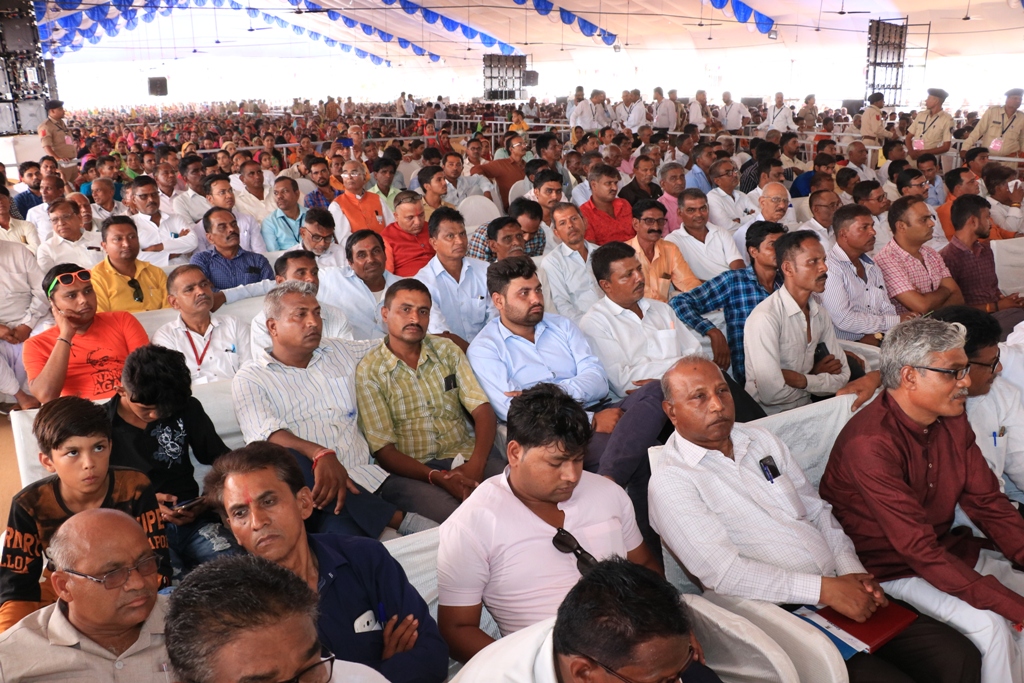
<point>872,126</point>
<point>931,131</point>
<point>56,139</point>
<point>1001,129</point>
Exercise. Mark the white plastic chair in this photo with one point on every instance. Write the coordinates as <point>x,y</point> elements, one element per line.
<point>478,210</point>
<point>520,188</point>
<point>1009,256</point>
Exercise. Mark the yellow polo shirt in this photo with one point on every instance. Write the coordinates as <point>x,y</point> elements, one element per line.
<point>113,293</point>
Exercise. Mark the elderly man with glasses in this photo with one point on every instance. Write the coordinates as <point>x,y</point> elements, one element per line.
<point>895,477</point>
<point>356,209</point>
<point>318,235</point>
<point>108,624</point>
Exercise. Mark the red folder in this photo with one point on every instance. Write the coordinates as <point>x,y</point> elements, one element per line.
<point>884,625</point>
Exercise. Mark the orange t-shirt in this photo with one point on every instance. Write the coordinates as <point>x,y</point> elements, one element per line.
<point>362,214</point>
<point>97,357</point>
<point>943,212</point>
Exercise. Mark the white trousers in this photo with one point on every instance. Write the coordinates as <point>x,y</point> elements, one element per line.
<point>1002,648</point>
<point>12,372</point>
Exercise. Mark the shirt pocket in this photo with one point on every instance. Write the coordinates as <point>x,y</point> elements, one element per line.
<point>662,344</point>
<point>786,498</point>
<point>602,540</point>
<point>338,399</point>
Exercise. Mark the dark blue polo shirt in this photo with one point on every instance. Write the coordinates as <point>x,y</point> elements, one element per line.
<point>358,580</point>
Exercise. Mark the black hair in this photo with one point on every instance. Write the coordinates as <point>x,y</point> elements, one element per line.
<point>215,178</point>
<point>357,237</point>
<point>67,417</point>
<point>281,264</point>
<point>141,181</point>
<point>844,176</point>
<point>57,270</point>
<point>312,160</point>
<point>256,456</point>
<point>501,273</point>
<point>983,330</point>
<point>431,153</point>
<point>604,256</point>
<point>925,158</point>
<point>973,153</point>
<point>862,190</point>
<point>408,284</point>
<point>845,215</point>
<point>207,222</point>
<point>426,174</point>
<point>759,231</point>
<point>765,167</point>
<point>994,174</point>
<point>543,140</point>
<point>187,161</point>
<point>899,208</point>
<point>906,177</point>
<point>787,246</point>
<point>115,220</point>
<point>765,151</point>
<point>954,178</point>
<point>522,205</point>
<point>223,597</point>
<point>615,608</point>
<point>535,166</point>
<point>440,215</point>
<point>547,176</point>
<point>965,207</point>
<point>320,216</point>
<point>155,376</point>
<point>286,179</point>
<point>26,166</point>
<point>499,224</point>
<point>172,277</point>
<point>823,159</point>
<point>602,171</point>
<point>545,415</point>
<point>895,168</point>
<point>646,205</point>
<point>822,144</point>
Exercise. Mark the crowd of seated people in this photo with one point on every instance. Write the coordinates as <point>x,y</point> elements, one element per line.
<point>411,367</point>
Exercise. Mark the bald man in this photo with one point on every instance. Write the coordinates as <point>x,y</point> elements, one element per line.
<point>108,624</point>
<point>773,204</point>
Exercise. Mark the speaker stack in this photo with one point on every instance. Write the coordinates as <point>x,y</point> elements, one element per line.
<point>26,80</point>
<point>503,77</point>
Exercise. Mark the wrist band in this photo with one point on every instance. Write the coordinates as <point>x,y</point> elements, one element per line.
<point>65,341</point>
<point>429,475</point>
<point>319,454</point>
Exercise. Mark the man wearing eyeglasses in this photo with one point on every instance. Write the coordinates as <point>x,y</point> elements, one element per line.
<point>524,538</point>
<point>263,628</point>
<point>108,622</point>
<point>356,209</point>
<point>661,261</point>
<point>733,505</point>
<point>911,181</point>
<point>317,235</point>
<point>68,243</point>
<point>895,475</point>
<point>123,282</point>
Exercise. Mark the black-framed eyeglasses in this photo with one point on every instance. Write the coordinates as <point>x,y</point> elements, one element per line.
<point>136,290</point>
<point>991,366</point>
<point>652,222</point>
<point>671,679</point>
<point>317,673</point>
<point>956,373</point>
<point>566,543</point>
<point>319,239</point>
<point>119,577</point>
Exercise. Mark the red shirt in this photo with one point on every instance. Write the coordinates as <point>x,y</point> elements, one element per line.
<point>406,253</point>
<point>602,228</point>
<point>893,486</point>
<point>97,357</point>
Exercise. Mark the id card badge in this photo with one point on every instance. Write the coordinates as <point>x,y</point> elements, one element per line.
<point>918,144</point>
<point>68,140</point>
<point>996,145</point>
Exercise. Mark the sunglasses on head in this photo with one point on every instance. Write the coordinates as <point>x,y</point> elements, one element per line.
<point>67,279</point>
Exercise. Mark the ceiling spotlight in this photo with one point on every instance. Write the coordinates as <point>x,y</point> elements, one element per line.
<point>617,47</point>
<point>773,34</point>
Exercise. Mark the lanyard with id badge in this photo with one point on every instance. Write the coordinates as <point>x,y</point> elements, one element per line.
<point>918,142</point>
<point>997,143</point>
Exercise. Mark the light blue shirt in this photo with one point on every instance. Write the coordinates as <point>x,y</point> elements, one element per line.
<point>697,178</point>
<point>465,304</point>
<point>342,288</point>
<point>936,192</point>
<point>280,232</point>
<point>560,354</point>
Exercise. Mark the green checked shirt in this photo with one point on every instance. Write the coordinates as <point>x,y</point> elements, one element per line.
<point>421,410</point>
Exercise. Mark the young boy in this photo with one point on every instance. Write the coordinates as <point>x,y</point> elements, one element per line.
<point>155,421</point>
<point>74,444</point>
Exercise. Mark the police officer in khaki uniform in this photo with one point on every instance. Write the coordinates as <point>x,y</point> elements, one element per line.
<point>56,139</point>
<point>872,126</point>
<point>931,131</point>
<point>1001,129</point>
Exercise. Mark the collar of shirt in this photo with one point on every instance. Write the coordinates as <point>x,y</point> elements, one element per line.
<point>215,322</point>
<point>691,454</point>
<point>617,310</point>
<point>975,249</point>
<point>920,434</point>
<point>839,255</point>
<point>391,362</point>
<point>264,359</point>
<point>538,330</point>
<point>792,308</point>
<point>327,560</point>
<point>62,633</point>
<point>568,252</point>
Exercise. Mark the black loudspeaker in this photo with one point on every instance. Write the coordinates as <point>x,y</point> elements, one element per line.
<point>530,78</point>
<point>19,34</point>
<point>158,87</point>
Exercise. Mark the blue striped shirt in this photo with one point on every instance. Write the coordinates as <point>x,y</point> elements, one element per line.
<point>245,269</point>
<point>735,291</point>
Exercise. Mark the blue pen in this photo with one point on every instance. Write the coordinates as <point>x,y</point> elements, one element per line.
<point>768,473</point>
<point>380,614</point>
<point>994,442</point>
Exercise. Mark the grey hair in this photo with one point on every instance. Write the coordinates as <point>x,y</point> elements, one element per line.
<point>64,548</point>
<point>273,304</point>
<point>103,181</point>
<point>647,149</point>
<point>669,166</point>
<point>688,359</point>
<point>913,342</point>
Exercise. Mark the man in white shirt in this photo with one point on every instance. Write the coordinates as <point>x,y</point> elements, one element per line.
<point>779,117</point>
<point>255,197</point>
<point>633,113</point>
<point>214,346</point>
<point>192,203</point>
<point>613,599</point>
<point>22,308</point>
<point>318,236</point>
<point>357,289</point>
<point>727,206</point>
<point>51,188</point>
<point>664,112</point>
<point>496,549</point>
<point>709,250</point>
<point>220,195</point>
<point>457,284</point>
<point>698,113</point>
<point>733,115</point>
<point>299,266</point>
<point>163,238</point>
<point>789,343</point>
<point>855,294</point>
<point>733,505</point>
<point>14,230</point>
<point>1005,202</point>
<point>593,114</point>
<point>857,154</point>
<point>104,205</point>
<point>570,280</point>
<point>68,243</point>
<point>773,202</point>
<point>166,177</point>
<point>822,205</point>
